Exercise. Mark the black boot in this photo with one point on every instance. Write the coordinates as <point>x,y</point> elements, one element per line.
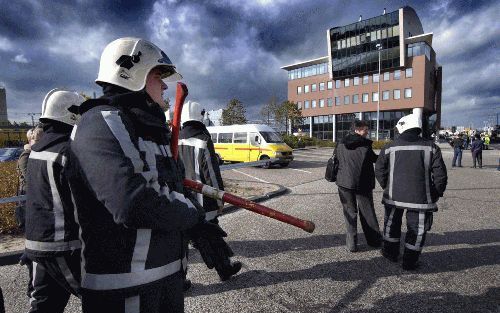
<point>229,270</point>
<point>410,260</point>
<point>390,251</point>
<point>187,285</point>
<point>351,242</point>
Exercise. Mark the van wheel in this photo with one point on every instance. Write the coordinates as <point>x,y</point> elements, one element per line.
<point>284,164</point>
<point>267,164</point>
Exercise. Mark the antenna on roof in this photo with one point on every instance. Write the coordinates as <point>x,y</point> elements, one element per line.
<point>384,11</point>
<point>360,17</point>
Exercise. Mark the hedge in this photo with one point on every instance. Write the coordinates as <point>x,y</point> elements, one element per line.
<point>8,188</point>
<point>302,141</point>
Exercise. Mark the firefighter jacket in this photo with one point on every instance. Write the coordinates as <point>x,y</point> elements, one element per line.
<point>412,172</point>
<point>51,229</point>
<point>128,193</point>
<point>356,158</point>
<point>197,152</point>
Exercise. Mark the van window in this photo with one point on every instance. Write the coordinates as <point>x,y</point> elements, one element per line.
<point>240,137</point>
<point>225,137</point>
<point>271,137</point>
<point>214,138</point>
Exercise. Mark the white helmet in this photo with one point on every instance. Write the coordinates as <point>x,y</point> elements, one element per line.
<point>192,111</point>
<point>409,121</point>
<point>61,105</point>
<point>126,62</point>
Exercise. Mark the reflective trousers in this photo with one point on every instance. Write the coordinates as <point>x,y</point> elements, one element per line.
<point>418,223</point>
<point>54,280</point>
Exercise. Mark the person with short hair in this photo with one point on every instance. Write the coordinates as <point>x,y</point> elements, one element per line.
<point>52,242</point>
<point>476,148</point>
<point>413,175</point>
<point>355,181</point>
<point>457,143</point>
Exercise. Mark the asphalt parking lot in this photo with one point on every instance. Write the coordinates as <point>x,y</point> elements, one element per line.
<point>288,270</point>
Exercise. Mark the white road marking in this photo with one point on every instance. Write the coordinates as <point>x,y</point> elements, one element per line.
<point>252,176</point>
<point>296,169</point>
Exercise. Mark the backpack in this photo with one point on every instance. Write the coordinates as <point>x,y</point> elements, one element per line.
<point>332,168</point>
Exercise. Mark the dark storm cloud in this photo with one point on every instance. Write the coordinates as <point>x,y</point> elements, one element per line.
<point>228,49</point>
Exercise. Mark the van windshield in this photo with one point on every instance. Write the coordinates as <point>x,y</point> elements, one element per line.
<point>271,137</point>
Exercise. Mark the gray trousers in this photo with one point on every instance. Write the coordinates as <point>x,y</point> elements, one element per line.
<point>352,202</point>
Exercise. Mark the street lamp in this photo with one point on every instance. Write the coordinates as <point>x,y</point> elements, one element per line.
<point>379,47</point>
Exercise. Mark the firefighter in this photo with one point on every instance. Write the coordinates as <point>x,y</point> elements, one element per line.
<point>413,175</point>
<point>197,152</point>
<point>52,242</point>
<point>128,189</point>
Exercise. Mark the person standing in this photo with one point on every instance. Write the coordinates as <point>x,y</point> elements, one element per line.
<point>413,175</point>
<point>52,242</point>
<point>457,144</point>
<point>355,181</point>
<point>197,152</point>
<point>127,187</point>
<point>486,142</point>
<point>476,148</point>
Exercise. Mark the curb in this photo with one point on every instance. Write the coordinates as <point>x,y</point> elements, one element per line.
<point>11,258</point>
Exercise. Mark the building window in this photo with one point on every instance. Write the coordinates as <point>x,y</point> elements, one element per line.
<point>299,90</point>
<point>355,99</point>
<point>375,78</point>
<point>346,99</point>
<point>313,87</point>
<point>313,104</point>
<point>365,79</point>
<point>355,81</point>
<point>397,74</point>
<point>306,104</point>
<point>409,72</point>
<point>321,86</point>
<point>329,85</point>
<point>329,102</point>
<point>387,76</point>
<point>374,96</point>
<point>321,103</point>
<point>346,82</point>
<point>385,95</point>
<point>337,100</point>
<point>397,94</point>
<point>407,92</point>
<point>299,105</point>
<point>365,98</point>
<point>337,84</point>
<point>306,88</point>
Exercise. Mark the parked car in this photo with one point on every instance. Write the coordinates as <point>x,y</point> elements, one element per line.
<point>10,154</point>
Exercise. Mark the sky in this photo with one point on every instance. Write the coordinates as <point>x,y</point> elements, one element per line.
<point>234,48</point>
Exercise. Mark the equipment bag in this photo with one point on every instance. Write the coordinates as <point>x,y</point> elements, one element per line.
<point>332,167</point>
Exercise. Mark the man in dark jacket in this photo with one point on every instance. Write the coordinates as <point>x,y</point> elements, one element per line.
<point>457,144</point>
<point>197,152</point>
<point>52,242</point>
<point>476,148</point>
<point>413,174</point>
<point>127,187</point>
<point>356,180</point>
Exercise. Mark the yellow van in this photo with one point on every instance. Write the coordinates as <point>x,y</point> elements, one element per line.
<point>249,143</point>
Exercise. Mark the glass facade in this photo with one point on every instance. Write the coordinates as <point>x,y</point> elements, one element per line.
<point>387,123</point>
<point>343,124</point>
<point>419,48</point>
<point>354,49</point>
<point>307,71</point>
<point>323,127</point>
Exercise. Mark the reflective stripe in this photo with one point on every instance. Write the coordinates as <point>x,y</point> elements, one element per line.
<point>57,206</point>
<point>410,205</point>
<point>427,162</point>
<point>73,283</point>
<point>82,243</point>
<point>210,215</point>
<point>389,223</point>
<point>115,124</point>
<point>408,148</point>
<point>52,246</point>
<point>141,249</point>
<point>184,263</point>
<point>32,294</point>
<point>412,247</point>
<point>421,230</point>
<point>392,159</point>
<point>48,156</point>
<point>193,142</point>
<point>73,133</point>
<point>133,304</point>
<point>125,280</point>
<point>391,239</point>
<point>213,177</point>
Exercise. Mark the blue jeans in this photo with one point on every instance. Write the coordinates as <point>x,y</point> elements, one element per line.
<point>457,156</point>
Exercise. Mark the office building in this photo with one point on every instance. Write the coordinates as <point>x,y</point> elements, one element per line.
<point>334,90</point>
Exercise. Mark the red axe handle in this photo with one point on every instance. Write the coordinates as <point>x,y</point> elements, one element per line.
<point>211,192</point>
<point>180,95</point>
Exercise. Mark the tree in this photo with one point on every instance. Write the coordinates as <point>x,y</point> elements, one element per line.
<point>234,113</point>
<point>268,111</point>
<point>288,112</point>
